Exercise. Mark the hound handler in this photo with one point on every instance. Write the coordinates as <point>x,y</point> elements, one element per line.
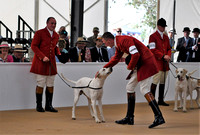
<point>142,65</point>
<point>44,63</point>
<point>162,53</point>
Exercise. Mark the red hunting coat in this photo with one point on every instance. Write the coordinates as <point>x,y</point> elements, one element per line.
<point>162,47</point>
<point>141,56</point>
<point>44,45</point>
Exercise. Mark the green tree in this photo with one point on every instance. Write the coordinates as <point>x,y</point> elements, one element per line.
<point>150,6</point>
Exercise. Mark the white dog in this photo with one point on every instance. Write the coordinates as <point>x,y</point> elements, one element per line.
<point>181,88</point>
<point>184,87</point>
<point>193,84</point>
<point>93,92</point>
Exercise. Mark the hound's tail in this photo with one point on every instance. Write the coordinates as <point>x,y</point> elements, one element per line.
<point>71,81</point>
<point>189,74</point>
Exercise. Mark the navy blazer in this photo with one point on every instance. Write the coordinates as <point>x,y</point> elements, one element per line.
<point>183,51</point>
<point>95,54</point>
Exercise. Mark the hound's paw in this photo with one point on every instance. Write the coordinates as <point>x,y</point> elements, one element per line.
<point>184,110</point>
<point>103,121</point>
<point>74,118</point>
<point>175,110</point>
<point>192,108</point>
<point>180,107</point>
<point>98,121</point>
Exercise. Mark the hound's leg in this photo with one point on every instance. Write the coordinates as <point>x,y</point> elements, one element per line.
<point>76,98</point>
<point>184,101</point>
<point>198,95</point>
<point>175,101</point>
<point>95,111</point>
<point>90,108</point>
<point>181,100</point>
<point>101,110</point>
<point>191,103</point>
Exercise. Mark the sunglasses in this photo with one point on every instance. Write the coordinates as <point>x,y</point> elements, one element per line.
<point>119,31</point>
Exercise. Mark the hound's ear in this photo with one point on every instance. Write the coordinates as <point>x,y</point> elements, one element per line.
<point>97,75</point>
<point>185,71</point>
<point>176,71</point>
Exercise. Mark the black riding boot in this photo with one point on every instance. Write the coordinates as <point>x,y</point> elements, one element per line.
<point>153,89</point>
<point>129,119</point>
<point>39,99</point>
<point>49,97</point>
<point>157,113</point>
<point>161,95</point>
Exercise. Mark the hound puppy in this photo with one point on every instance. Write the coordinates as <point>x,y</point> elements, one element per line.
<point>91,92</point>
<point>181,87</point>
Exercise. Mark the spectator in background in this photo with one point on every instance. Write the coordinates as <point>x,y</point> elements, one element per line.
<point>93,38</point>
<point>64,35</point>
<point>18,54</point>
<point>172,42</point>
<point>160,47</point>
<point>183,46</point>
<point>98,53</point>
<point>78,53</point>
<point>44,63</point>
<point>64,57</point>
<point>4,56</point>
<point>194,50</point>
<point>119,31</point>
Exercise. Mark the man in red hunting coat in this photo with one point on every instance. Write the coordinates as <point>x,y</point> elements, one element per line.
<point>44,63</point>
<point>162,53</point>
<point>142,65</point>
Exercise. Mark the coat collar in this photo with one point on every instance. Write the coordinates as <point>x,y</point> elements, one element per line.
<point>47,32</point>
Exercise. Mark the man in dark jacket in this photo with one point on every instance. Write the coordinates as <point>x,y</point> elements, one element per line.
<point>183,46</point>
<point>98,53</point>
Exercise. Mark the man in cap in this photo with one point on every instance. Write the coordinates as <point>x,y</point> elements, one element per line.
<point>183,45</point>
<point>77,53</point>
<point>93,38</point>
<point>162,53</point>
<point>18,54</point>
<point>44,63</point>
<point>98,53</point>
<point>194,50</point>
<point>142,65</point>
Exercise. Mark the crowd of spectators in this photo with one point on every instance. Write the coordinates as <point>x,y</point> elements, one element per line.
<point>92,49</point>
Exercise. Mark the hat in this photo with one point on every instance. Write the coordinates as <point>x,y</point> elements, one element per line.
<point>96,29</point>
<point>196,30</point>
<point>186,29</point>
<point>81,40</point>
<point>161,22</point>
<point>4,44</point>
<point>172,31</point>
<point>18,48</point>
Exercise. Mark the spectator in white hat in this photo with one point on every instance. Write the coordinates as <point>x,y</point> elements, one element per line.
<point>4,57</point>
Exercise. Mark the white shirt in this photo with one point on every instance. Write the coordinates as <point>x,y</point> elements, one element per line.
<point>161,33</point>
<point>51,32</point>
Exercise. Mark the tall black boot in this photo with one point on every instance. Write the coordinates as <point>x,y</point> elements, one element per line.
<point>161,95</point>
<point>153,89</point>
<point>39,92</point>
<point>157,113</point>
<point>49,97</point>
<point>129,119</point>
